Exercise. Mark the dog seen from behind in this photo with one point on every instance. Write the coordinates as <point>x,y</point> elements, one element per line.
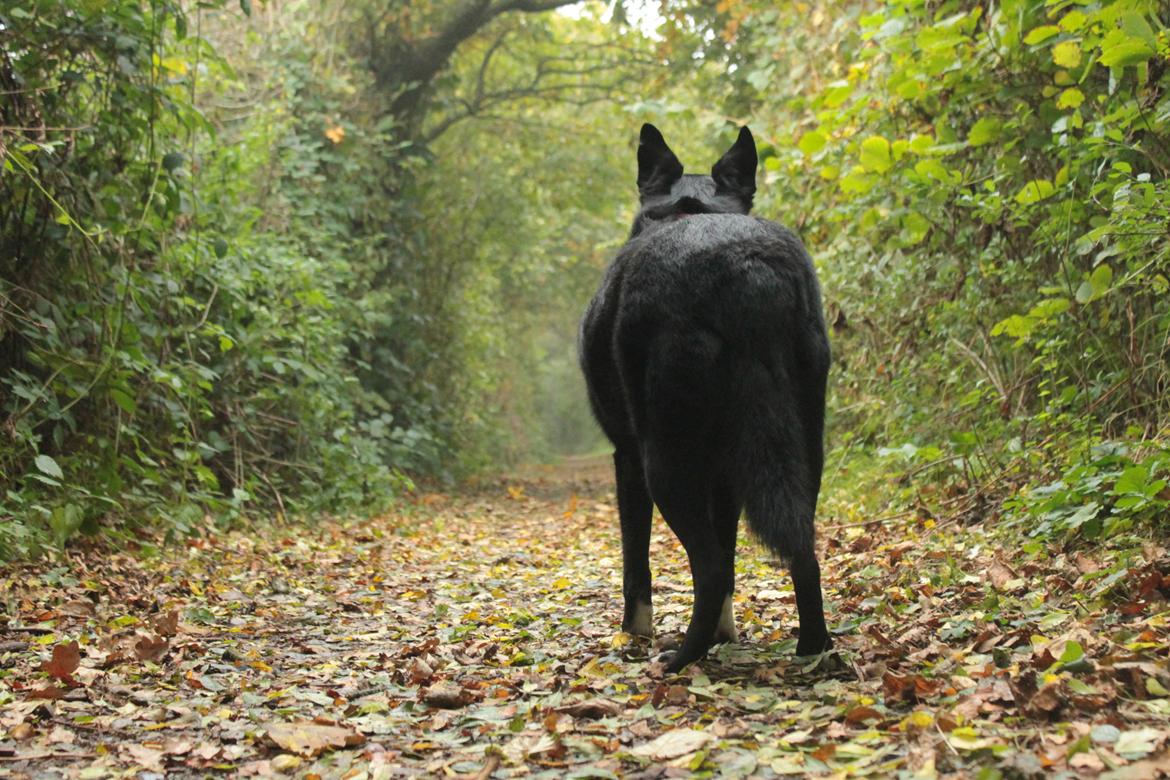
<point>705,357</point>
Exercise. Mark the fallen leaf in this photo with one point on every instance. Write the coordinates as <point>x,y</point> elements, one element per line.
<point>445,695</point>
<point>672,744</point>
<point>592,708</point>
<point>148,648</point>
<point>861,715</point>
<point>167,625</point>
<point>310,739</point>
<point>145,756</point>
<point>66,658</point>
<point>21,732</point>
<point>49,692</point>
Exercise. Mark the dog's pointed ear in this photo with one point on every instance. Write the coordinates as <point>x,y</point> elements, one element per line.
<point>658,168</point>
<point>735,173</point>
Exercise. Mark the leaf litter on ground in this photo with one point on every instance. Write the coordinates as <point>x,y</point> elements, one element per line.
<point>476,636</point>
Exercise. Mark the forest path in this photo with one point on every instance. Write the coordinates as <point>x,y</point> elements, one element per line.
<point>476,636</point>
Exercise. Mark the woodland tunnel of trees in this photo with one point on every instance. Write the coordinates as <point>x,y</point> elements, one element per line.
<point>272,262</point>
<point>288,257</point>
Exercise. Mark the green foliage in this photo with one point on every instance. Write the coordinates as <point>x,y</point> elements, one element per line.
<point>176,337</point>
<point>1101,494</point>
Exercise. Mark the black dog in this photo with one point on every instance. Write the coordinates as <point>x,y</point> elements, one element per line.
<point>705,356</point>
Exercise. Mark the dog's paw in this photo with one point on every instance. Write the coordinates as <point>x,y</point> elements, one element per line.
<point>670,662</point>
<point>813,646</point>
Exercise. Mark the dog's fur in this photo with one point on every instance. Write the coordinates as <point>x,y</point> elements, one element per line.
<point>705,356</point>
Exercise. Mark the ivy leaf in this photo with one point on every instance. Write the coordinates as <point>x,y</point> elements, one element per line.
<point>837,93</point>
<point>123,399</point>
<point>1136,26</point>
<point>857,182</point>
<point>1073,21</point>
<point>915,227</point>
<point>933,169</point>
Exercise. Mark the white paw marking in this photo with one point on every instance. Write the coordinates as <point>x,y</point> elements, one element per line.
<point>725,632</point>
<point>643,622</point>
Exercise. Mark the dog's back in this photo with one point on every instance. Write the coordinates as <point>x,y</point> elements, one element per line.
<point>706,357</point>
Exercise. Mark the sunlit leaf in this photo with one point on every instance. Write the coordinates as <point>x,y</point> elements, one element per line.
<point>875,154</point>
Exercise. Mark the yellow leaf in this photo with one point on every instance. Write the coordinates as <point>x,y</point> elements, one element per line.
<point>1067,54</point>
<point>1070,98</point>
<point>174,64</point>
<point>917,720</point>
<point>336,134</point>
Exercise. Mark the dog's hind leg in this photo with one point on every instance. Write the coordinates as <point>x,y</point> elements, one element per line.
<point>682,495</point>
<point>635,510</point>
<point>806,572</point>
<point>724,512</point>
<point>806,581</point>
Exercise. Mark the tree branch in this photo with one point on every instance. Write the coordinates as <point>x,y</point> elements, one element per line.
<point>405,68</point>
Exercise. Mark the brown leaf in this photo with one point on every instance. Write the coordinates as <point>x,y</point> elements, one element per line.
<point>78,608</point>
<point>167,625</point>
<point>22,731</point>
<point>911,687</point>
<point>419,672</point>
<point>50,692</point>
<point>592,709</point>
<point>824,752</point>
<point>145,756</point>
<point>310,739</point>
<point>1046,702</point>
<point>66,658</point>
<point>999,574</point>
<point>445,695</point>
<point>148,648</point>
<point>177,746</point>
<point>861,715</point>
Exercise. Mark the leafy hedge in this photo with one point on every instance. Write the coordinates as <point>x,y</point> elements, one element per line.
<point>180,290</point>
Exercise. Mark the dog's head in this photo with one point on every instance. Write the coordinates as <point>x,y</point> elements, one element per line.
<point>666,193</point>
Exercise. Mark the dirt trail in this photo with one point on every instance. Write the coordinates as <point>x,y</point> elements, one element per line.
<point>476,636</point>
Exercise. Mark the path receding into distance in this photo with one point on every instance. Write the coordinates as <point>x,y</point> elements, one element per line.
<point>477,636</point>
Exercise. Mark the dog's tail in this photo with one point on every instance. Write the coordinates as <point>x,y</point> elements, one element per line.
<point>779,453</point>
